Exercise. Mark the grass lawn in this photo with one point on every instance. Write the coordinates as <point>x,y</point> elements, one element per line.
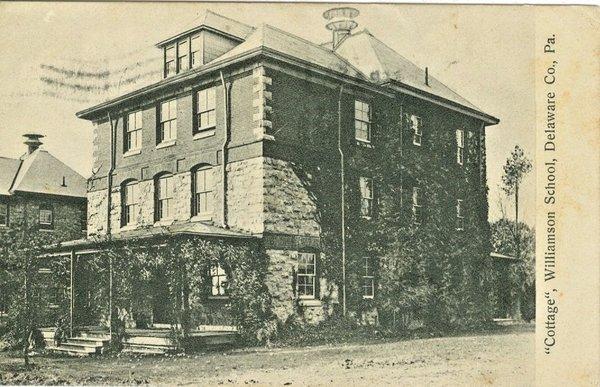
<point>501,358</point>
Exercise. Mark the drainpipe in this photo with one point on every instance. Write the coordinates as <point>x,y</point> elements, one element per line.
<point>343,213</point>
<point>223,150</point>
<point>113,140</point>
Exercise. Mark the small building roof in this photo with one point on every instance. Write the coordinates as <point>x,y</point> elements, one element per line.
<point>40,173</point>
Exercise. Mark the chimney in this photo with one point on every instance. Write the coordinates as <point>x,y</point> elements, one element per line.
<point>427,76</point>
<point>340,23</point>
<point>33,142</point>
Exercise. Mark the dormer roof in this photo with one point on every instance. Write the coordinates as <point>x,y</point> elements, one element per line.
<point>217,23</point>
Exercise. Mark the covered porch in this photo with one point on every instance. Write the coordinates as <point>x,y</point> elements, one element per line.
<point>151,291</point>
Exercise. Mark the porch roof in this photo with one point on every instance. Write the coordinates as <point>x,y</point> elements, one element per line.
<point>176,229</point>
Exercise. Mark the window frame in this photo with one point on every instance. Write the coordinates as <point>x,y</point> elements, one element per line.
<point>173,60</point>
<point>363,198</point>
<point>159,199</point>
<point>49,209</point>
<point>160,138</point>
<point>417,129</point>
<point>129,206</point>
<point>198,112</point>
<point>417,206</point>
<point>362,120</point>
<point>222,280</point>
<point>138,131</point>
<point>208,193</point>
<point>368,278</point>
<point>460,217</point>
<point>310,278</point>
<point>183,58</point>
<point>200,39</point>
<point>460,146</point>
<point>5,213</point>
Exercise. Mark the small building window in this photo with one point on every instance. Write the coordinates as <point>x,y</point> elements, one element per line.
<point>362,121</point>
<point>416,124</point>
<point>366,197</point>
<point>202,194</point>
<point>460,218</point>
<point>205,109</point>
<point>133,133</point>
<point>168,121</point>
<point>368,278</point>
<point>3,214</point>
<point>460,146</point>
<point>196,48</point>
<point>170,67</point>
<point>164,197</point>
<point>46,217</point>
<point>183,62</point>
<point>417,206</point>
<point>218,280</point>
<point>307,275</point>
<point>129,203</point>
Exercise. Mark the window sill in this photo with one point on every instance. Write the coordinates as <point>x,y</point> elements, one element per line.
<point>309,302</point>
<point>204,133</point>
<point>364,144</point>
<point>365,217</point>
<point>128,227</point>
<point>368,297</point>
<point>132,152</point>
<point>201,218</point>
<point>46,229</point>
<point>164,222</point>
<point>166,144</point>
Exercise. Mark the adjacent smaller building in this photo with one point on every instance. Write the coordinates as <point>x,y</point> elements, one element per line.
<point>39,191</point>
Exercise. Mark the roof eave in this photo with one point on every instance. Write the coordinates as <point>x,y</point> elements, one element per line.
<point>403,87</point>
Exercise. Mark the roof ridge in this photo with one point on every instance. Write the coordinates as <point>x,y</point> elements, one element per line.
<point>228,18</point>
<point>315,45</point>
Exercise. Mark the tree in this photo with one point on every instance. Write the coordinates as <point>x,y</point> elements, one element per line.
<point>517,166</point>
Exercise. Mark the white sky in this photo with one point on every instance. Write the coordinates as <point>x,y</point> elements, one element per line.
<point>485,53</point>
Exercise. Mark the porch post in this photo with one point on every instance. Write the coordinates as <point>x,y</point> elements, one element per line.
<point>110,295</point>
<point>72,291</point>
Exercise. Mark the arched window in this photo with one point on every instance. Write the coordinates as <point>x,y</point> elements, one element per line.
<point>202,190</point>
<point>129,202</point>
<point>164,194</point>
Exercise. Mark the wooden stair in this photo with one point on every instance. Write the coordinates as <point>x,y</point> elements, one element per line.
<point>84,344</point>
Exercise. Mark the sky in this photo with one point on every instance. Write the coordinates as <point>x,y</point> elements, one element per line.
<point>485,53</point>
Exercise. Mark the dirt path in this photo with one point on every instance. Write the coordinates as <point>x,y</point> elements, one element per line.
<point>500,359</point>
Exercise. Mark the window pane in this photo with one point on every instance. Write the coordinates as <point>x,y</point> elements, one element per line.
<point>3,214</point>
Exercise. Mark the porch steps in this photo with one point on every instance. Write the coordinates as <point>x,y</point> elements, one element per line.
<point>84,344</point>
<point>148,345</point>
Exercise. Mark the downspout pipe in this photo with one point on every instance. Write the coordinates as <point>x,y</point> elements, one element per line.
<point>113,155</point>
<point>224,150</point>
<point>343,201</point>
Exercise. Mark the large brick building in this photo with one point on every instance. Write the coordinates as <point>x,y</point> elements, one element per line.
<point>215,147</point>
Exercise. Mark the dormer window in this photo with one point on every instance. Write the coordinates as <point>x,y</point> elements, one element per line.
<point>183,62</point>
<point>170,68</point>
<point>196,49</point>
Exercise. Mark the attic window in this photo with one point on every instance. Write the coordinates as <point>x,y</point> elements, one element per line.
<point>3,214</point>
<point>46,217</point>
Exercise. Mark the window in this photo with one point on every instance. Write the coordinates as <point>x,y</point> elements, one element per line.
<point>218,280</point>
<point>133,133</point>
<point>168,121</point>
<point>46,217</point>
<point>196,45</point>
<point>460,218</point>
<point>416,206</point>
<point>129,203</point>
<point>362,121</point>
<point>183,62</point>
<point>202,191</point>
<point>416,125</point>
<point>170,68</point>
<point>460,146</point>
<point>307,274</point>
<point>3,214</point>
<point>164,197</point>
<point>368,278</point>
<point>205,109</point>
<point>366,197</point>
